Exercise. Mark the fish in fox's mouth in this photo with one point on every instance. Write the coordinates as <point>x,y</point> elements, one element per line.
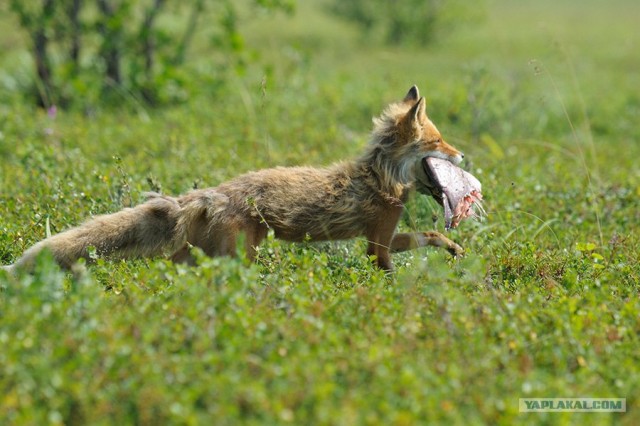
<point>458,191</point>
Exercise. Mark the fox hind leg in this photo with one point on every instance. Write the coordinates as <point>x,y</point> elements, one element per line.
<point>222,242</point>
<point>255,232</point>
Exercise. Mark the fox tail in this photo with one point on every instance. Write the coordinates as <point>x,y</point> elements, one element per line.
<point>148,229</point>
<point>161,225</point>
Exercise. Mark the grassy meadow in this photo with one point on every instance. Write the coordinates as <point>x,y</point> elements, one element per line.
<point>544,99</point>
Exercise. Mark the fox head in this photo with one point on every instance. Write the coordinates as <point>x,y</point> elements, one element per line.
<point>402,135</point>
<point>418,132</point>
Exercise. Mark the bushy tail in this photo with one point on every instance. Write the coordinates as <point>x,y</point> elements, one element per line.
<point>148,229</point>
<point>162,225</point>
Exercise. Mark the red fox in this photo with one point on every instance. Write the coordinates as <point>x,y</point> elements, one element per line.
<point>362,197</point>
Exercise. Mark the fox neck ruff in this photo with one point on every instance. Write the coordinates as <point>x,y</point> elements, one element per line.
<point>389,177</point>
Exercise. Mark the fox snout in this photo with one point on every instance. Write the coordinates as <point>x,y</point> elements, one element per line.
<point>445,151</point>
<point>458,157</point>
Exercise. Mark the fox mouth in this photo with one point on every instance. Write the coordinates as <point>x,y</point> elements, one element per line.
<point>456,190</point>
<point>457,159</point>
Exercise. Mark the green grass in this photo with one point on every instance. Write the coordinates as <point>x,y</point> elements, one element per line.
<point>542,97</point>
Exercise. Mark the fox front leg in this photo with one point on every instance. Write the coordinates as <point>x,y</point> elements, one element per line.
<point>413,240</point>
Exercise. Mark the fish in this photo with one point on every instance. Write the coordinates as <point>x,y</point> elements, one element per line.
<point>456,190</point>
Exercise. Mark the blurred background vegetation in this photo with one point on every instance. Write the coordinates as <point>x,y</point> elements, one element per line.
<point>83,52</point>
<point>143,47</point>
<point>137,47</point>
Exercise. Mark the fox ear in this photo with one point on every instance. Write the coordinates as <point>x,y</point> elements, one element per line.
<point>413,95</point>
<point>418,111</point>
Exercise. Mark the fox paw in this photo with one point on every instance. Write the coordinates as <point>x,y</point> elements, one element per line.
<point>455,250</point>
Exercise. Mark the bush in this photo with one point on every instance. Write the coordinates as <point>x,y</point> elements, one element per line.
<point>130,48</point>
<point>399,22</point>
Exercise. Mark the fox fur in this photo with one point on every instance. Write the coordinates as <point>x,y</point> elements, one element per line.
<point>362,197</point>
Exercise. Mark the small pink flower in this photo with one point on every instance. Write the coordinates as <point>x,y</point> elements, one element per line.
<point>52,111</point>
